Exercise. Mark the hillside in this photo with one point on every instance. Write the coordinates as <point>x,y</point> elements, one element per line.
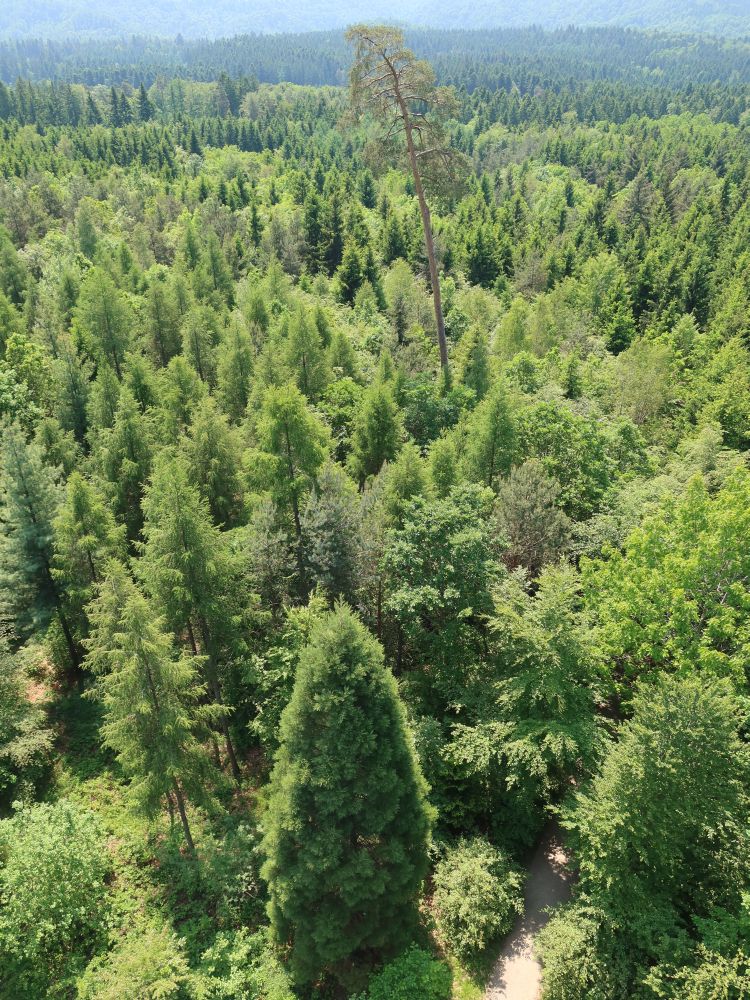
<point>65,18</point>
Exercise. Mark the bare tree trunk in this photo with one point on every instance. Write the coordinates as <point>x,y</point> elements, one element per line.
<point>426,225</point>
<point>183,818</point>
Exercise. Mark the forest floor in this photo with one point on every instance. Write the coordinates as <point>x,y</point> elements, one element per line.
<point>517,974</point>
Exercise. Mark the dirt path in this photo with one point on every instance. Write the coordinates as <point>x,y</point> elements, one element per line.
<point>517,975</point>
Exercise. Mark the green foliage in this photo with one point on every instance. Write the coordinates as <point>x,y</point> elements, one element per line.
<point>148,962</point>
<point>415,975</point>
<point>347,823</point>
<point>478,893</point>
<point>676,597</point>
<point>53,897</point>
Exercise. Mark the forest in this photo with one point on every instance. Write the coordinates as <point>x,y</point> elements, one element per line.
<point>374,497</point>
<point>70,19</point>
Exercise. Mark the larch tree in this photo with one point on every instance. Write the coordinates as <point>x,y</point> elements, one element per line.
<point>155,714</point>
<point>290,432</point>
<point>186,568</point>
<point>86,538</point>
<point>389,83</point>
<point>348,825</point>
<point>29,499</point>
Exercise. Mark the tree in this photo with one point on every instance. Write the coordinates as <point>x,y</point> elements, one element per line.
<point>478,893</point>
<point>660,837</point>
<point>153,715</point>
<point>30,497</point>
<point>440,568</point>
<point>377,432</point>
<point>187,569</point>
<point>25,742</point>
<point>214,452</point>
<point>672,599</point>
<point>86,539</point>
<point>347,825</point>
<point>297,442</point>
<point>535,529</point>
<point>330,530</point>
<point>305,356</point>
<point>387,81</point>
<point>235,367</point>
<point>490,439</point>
<point>124,455</point>
<point>104,318</point>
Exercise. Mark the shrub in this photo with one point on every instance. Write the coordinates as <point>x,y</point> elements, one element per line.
<point>149,964</point>
<point>415,975</point>
<point>52,892</point>
<point>477,895</point>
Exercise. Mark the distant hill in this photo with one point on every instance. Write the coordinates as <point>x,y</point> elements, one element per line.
<point>192,19</point>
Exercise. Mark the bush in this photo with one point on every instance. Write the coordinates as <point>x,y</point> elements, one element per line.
<point>241,964</point>
<point>52,893</point>
<point>150,965</point>
<point>478,892</point>
<point>415,975</point>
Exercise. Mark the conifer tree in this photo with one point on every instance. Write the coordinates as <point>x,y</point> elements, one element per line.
<point>235,368</point>
<point>214,453</point>
<point>186,568</point>
<point>490,438</point>
<point>104,318</point>
<point>153,716</point>
<point>305,357</point>
<point>347,827</point>
<point>298,442</point>
<point>388,81</point>
<point>163,321</point>
<point>124,456</point>
<point>29,498</point>
<point>86,539</point>
<point>377,432</point>
<point>330,529</point>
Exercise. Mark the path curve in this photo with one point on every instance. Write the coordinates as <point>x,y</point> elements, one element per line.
<point>517,975</point>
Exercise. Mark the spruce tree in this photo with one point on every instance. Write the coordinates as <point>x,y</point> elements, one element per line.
<point>330,529</point>
<point>347,827</point>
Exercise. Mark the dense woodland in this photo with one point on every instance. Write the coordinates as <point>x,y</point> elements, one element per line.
<point>65,19</point>
<point>305,637</point>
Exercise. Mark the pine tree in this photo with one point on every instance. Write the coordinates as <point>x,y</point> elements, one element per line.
<point>347,827</point>
<point>153,716</point>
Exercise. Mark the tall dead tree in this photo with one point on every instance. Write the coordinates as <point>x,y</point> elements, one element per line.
<point>398,90</point>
